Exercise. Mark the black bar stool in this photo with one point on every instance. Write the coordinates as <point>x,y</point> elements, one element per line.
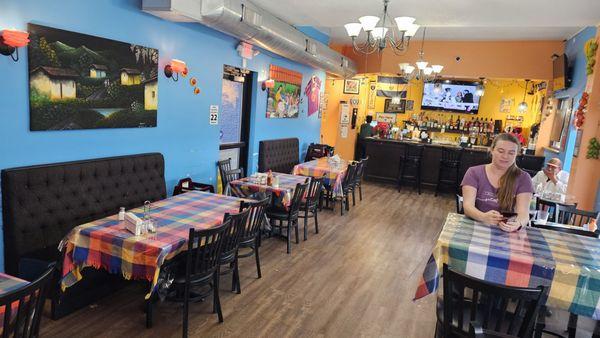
<point>413,153</point>
<point>449,166</point>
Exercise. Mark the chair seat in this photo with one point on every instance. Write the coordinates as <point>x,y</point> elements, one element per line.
<point>278,213</point>
<point>180,279</point>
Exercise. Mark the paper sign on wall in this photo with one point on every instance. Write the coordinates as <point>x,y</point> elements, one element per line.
<point>214,114</point>
<point>344,131</point>
<point>344,113</point>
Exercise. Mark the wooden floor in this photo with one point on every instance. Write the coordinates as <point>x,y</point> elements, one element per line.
<point>357,277</point>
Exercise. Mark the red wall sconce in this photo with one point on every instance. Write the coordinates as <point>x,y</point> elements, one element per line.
<point>270,83</point>
<point>174,68</point>
<point>11,40</point>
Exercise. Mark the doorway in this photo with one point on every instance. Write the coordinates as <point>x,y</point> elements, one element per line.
<point>236,103</point>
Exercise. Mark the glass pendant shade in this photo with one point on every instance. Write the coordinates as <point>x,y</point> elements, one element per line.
<point>412,30</point>
<point>379,32</point>
<point>404,23</point>
<point>353,29</point>
<point>368,22</point>
<point>421,64</point>
<point>437,68</point>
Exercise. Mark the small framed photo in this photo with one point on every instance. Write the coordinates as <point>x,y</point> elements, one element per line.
<point>351,86</point>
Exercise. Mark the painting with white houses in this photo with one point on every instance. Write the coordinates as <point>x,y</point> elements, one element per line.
<point>79,81</point>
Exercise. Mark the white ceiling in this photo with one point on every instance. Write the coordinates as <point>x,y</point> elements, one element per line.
<point>449,19</point>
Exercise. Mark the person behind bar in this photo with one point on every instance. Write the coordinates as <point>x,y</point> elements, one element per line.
<point>491,190</point>
<point>551,179</point>
<point>366,130</point>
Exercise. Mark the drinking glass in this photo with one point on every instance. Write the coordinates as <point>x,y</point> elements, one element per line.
<point>542,216</point>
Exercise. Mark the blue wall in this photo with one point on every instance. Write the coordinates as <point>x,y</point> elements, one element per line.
<point>183,134</point>
<point>577,64</point>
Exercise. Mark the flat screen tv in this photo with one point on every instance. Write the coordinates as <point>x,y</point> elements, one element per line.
<point>560,79</point>
<point>451,96</point>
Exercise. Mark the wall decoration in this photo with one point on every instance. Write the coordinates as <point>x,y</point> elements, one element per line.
<point>581,109</point>
<point>593,151</point>
<point>409,105</point>
<point>386,118</point>
<point>312,90</point>
<point>506,105</point>
<point>372,94</point>
<point>284,98</point>
<point>395,108</point>
<point>79,81</point>
<point>590,55</point>
<point>351,86</point>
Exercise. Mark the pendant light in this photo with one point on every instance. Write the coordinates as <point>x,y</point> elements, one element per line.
<point>523,105</point>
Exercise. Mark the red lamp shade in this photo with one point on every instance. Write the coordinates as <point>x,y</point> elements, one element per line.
<point>178,66</point>
<point>15,38</point>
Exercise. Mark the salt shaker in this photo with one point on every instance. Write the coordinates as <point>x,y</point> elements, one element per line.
<point>121,214</point>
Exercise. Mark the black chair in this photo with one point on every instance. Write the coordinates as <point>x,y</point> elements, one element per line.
<point>476,331</point>
<point>28,305</point>
<point>448,174</point>
<point>486,303</point>
<point>231,242</point>
<point>365,162</point>
<point>542,204</point>
<point>316,150</point>
<point>310,204</point>
<point>250,237</point>
<point>530,164</point>
<point>357,182</point>
<point>573,216</point>
<point>202,268</point>
<point>186,184</point>
<point>347,185</point>
<point>411,159</point>
<point>227,174</point>
<point>572,325</point>
<point>290,216</point>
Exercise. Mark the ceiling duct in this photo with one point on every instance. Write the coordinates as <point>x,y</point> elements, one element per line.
<point>247,22</point>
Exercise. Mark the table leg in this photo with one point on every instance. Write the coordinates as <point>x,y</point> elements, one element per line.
<point>149,308</point>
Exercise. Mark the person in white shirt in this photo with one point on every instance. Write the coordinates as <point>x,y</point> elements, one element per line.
<point>551,179</point>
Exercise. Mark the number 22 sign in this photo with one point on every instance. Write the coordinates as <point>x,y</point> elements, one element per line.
<point>214,114</point>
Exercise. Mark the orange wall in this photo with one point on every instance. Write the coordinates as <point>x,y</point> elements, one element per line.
<point>493,59</point>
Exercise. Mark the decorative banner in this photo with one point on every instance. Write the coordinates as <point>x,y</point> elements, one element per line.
<point>284,98</point>
<point>372,94</point>
<point>312,90</point>
<point>79,81</point>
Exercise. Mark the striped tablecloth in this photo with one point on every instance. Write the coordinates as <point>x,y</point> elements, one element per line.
<point>106,243</point>
<point>334,172</point>
<point>282,195</point>
<point>8,284</point>
<point>568,264</point>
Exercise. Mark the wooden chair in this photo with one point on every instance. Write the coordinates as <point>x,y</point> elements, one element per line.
<point>202,268</point>
<point>448,173</point>
<point>347,188</point>
<point>186,184</point>
<point>250,237</point>
<point>488,305</point>
<point>289,216</point>
<point>310,204</point>
<point>23,307</point>
<point>476,331</point>
<point>228,174</point>
<point>231,242</point>
<point>573,216</point>
<point>411,159</point>
<point>316,150</point>
<point>357,182</point>
<point>542,204</point>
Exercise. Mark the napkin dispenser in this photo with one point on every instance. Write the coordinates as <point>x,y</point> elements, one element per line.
<point>133,223</point>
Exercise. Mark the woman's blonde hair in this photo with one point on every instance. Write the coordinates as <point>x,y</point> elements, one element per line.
<point>506,188</point>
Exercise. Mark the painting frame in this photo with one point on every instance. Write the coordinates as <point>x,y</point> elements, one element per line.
<point>352,86</point>
<point>283,100</point>
<point>79,81</point>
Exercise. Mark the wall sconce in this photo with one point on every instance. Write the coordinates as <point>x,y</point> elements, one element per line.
<point>174,68</point>
<point>270,83</point>
<point>11,40</point>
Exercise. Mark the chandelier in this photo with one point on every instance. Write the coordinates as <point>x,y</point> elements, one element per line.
<point>377,36</point>
<point>421,71</point>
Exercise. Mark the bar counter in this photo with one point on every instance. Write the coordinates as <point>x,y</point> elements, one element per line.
<point>384,160</point>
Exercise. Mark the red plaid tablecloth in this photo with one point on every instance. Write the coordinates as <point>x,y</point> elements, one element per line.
<point>282,195</point>
<point>8,284</point>
<point>106,243</point>
<point>334,172</point>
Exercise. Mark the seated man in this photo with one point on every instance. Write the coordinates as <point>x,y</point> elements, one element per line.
<point>551,179</point>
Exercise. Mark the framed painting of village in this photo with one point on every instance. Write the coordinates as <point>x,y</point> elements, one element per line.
<point>79,81</point>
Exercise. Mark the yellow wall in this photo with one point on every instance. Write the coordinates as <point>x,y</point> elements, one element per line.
<point>128,80</point>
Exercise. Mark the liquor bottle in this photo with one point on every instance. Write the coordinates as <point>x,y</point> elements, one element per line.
<point>451,123</point>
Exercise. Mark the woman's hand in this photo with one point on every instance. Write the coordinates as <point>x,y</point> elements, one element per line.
<point>491,217</point>
<point>512,225</point>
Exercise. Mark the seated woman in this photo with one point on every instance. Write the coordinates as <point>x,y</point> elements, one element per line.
<point>490,190</point>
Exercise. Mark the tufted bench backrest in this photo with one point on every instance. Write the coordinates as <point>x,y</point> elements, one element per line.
<point>41,204</point>
<point>279,155</point>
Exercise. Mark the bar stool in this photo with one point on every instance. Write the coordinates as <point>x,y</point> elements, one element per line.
<point>449,166</point>
<point>413,153</point>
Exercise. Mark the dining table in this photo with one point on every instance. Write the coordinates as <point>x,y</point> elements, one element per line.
<point>568,264</point>
<point>281,193</point>
<point>9,284</point>
<point>332,170</point>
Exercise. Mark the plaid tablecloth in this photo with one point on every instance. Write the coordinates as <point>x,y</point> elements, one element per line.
<point>282,195</point>
<point>9,283</point>
<point>106,243</point>
<point>568,264</point>
<point>334,173</point>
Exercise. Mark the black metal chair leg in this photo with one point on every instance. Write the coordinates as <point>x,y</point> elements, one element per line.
<point>257,261</point>
<point>186,310</point>
<point>360,191</point>
<point>216,296</point>
<point>353,198</point>
<point>437,186</point>
<point>306,224</point>
<point>572,326</point>
<point>296,231</point>
<point>149,306</point>
<point>316,222</point>
<point>289,239</point>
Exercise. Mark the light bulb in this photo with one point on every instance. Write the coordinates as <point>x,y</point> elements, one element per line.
<point>522,106</point>
<point>421,64</point>
<point>368,22</point>
<point>479,90</point>
<point>403,66</point>
<point>404,23</point>
<point>379,32</point>
<point>353,29</point>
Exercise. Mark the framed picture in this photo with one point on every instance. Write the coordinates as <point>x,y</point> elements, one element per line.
<point>394,108</point>
<point>409,105</point>
<point>79,81</point>
<point>283,100</point>
<point>351,86</point>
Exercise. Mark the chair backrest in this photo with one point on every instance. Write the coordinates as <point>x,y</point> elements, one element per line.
<point>314,191</point>
<point>256,212</point>
<point>413,150</point>
<point>530,163</point>
<point>360,170</point>
<point>23,307</point>
<point>317,150</point>
<point>234,233</point>
<point>186,184</point>
<point>542,204</point>
<point>451,154</point>
<point>297,198</point>
<point>459,204</point>
<point>580,232</point>
<point>573,216</point>
<point>231,175</point>
<point>224,167</point>
<point>488,305</point>
<point>204,250</point>
<point>349,178</point>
